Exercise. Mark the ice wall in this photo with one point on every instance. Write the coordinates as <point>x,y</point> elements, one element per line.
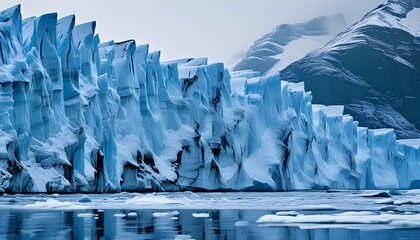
<point>77,115</point>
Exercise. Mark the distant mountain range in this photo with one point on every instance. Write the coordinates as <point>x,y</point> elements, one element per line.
<point>372,68</point>
<point>290,42</point>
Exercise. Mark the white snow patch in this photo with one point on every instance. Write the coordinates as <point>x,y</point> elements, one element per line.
<point>297,49</point>
<point>415,143</point>
<point>382,131</point>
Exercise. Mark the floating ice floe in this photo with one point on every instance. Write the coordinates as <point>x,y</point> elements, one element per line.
<point>54,204</point>
<point>413,200</point>
<point>150,198</point>
<point>85,215</point>
<point>200,215</point>
<point>132,215</point>
<point>385,201</point>
<point>375,194</point>
<point>345,218</point>
<point>165,214</point>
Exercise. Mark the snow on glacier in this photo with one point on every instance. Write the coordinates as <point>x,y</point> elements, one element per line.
<point>78,115</point>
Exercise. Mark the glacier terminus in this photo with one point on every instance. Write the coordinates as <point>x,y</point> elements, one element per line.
<point>81,115</point>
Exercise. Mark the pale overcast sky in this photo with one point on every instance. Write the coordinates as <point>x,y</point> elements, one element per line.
<point>218,29</point>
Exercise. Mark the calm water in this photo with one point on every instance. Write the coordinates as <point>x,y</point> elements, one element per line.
<point>187,215</point>
<point>220,224</point>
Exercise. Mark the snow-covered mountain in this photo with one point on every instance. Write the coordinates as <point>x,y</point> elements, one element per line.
<point>373,68</point>
<point>77,115</point>
<point>288,43</point>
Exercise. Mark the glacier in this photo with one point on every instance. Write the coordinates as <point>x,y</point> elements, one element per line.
<point>81,115</point>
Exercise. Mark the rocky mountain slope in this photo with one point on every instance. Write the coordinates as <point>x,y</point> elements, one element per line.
<point>373,68</point>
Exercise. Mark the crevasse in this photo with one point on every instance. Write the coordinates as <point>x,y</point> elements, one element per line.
<point>77,115</point>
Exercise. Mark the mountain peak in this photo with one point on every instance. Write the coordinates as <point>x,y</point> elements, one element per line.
<point>289,42</point>
<point>372,68</point>
<point>407,4</point>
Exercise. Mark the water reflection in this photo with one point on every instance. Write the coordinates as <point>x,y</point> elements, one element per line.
<point>164,224</point>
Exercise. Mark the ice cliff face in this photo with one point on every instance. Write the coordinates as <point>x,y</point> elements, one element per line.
<point>373,68</point>
<point>77,115</point>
